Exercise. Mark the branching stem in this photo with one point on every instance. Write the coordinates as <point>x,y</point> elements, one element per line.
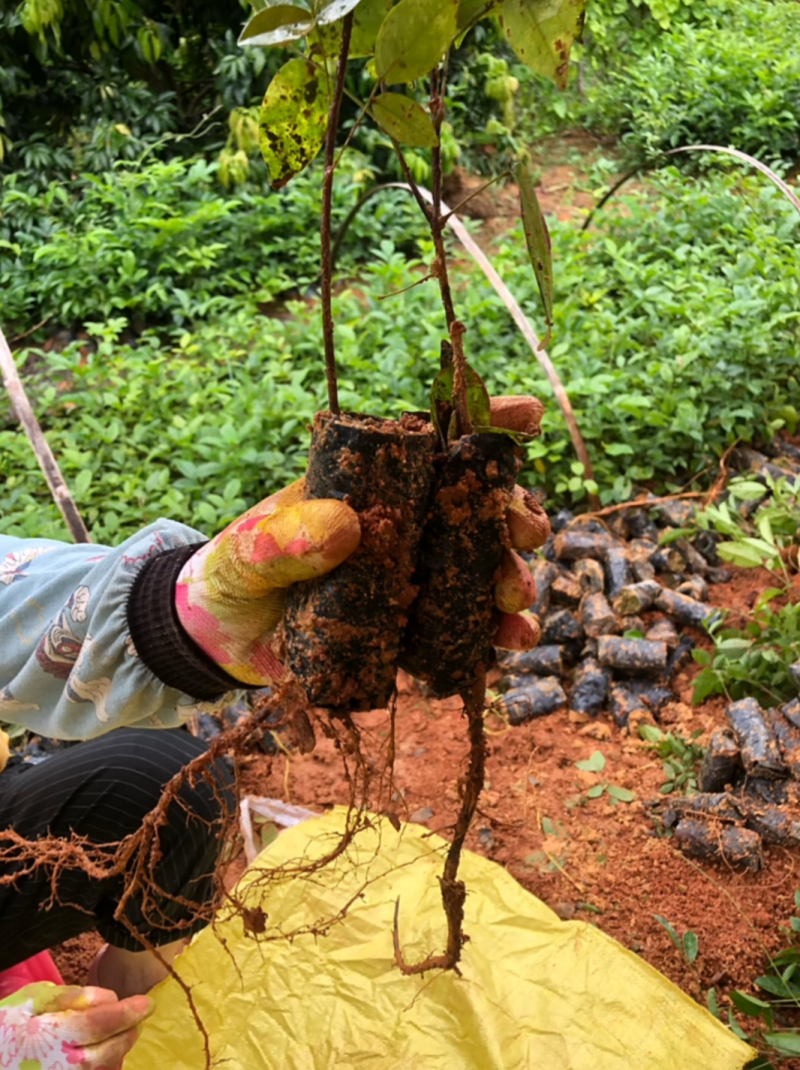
<point>327,206</point>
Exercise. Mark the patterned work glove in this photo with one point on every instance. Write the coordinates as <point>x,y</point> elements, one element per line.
<point>52,1027</point>
<point>230,595</point>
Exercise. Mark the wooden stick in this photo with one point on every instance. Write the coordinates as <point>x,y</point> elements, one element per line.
<point>44,455</point>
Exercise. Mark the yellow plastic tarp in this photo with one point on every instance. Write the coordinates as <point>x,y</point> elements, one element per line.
<point>535,992</point>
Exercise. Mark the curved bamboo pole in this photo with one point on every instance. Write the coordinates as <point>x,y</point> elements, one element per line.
<point>511,304</point>
<point>44,455</point>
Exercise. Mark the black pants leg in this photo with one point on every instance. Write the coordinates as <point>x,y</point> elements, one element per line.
<point>102,789</point>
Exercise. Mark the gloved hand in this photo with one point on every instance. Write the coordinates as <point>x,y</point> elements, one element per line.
<point>52,1027</point>
<point>230,595</point>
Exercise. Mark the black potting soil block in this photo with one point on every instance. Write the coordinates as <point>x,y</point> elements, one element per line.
<point>343,631</point>
<point>448,641</point>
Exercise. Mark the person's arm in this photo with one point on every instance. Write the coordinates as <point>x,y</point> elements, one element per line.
<point>94,638</point>
<point>89,636</point>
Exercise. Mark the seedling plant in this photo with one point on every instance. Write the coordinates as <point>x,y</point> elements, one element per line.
<point>418,591</point>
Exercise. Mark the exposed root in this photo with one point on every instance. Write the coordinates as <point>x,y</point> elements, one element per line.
<point>134,860</point>
<point>454,892</point>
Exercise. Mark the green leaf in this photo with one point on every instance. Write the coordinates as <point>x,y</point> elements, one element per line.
<point>293,119</point>
<point>735,1028</point>
<point>595,763</point>
<point>277,25</point>
<point>784,1043</point>
<point>650,733</point>
<point>82,482</point>
<point>328,11</point>
<point>367,21</point>
<point>711,1002</point>
<point>691,946</point>
<point>747,490</point>
<point>706,683</point>
<point>472,11</point>
<point>537,238</point>
<point>777,986</point>
<point>413,38</point>
<point>478,402</point>
<point>404,120</point>
<point>739,554</point>
<point>749,1005</point>
<point>595,791</point>
<point>668,537</point>
<point>797,899</point>
<point>670,930</point>
<point>541,33</point>
<point>702,657</point>
<point>622,794</point>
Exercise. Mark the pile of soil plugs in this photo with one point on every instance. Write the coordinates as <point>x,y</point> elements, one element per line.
<point>620,615</point>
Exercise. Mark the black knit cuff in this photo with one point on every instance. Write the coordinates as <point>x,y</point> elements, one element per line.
<point>161,642</point>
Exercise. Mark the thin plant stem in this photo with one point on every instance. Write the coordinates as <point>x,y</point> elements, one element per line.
<point>325,228</point>
<point>436,222</point>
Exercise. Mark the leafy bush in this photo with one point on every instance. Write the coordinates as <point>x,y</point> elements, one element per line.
<point>676,331</point>
<point>163,243</point>
<point>733,82</point>
<point>755,660</point>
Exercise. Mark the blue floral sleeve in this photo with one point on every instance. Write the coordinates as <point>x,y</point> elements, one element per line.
<point>68,667</point>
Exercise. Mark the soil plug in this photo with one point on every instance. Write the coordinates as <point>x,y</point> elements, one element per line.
<point>632,655</point>
<point>695,561</point>
<point>574,544</point>
<point>543,661</point>
<point>705,542</point>
<point>590,575</point>
<point>728,843</point>
<point>617,567</point>
<point>721,762</point>
<point>772,825</point>
<point>448,641</point>
<point>719,575</point>
<point>566,590</point>
<point>589,688</point>
<point>773,792</point>
<point>343,631</point>
<point>597,616</point>
<point>668,559</point>
<point>637,597</point>
<point>640,552</point>
<point>674,514</point>
<point>561,626</point>
<point>663,631</point>
<point>536,699</point>
<point>685,610</point>
<point>695,587</point>
<point>719,805</point>
<point>624,703</point>
<point>760,753</point>
<point>640,525</point>
<point>788,738</point>
<point>543,572</point>
<point>791,711</point>
<point>653,696</point>
<point>680,655</point>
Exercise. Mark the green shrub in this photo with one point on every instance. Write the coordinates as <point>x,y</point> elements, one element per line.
<point>677,329</point>
<point>733,82</point>
<point>165,244</point>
